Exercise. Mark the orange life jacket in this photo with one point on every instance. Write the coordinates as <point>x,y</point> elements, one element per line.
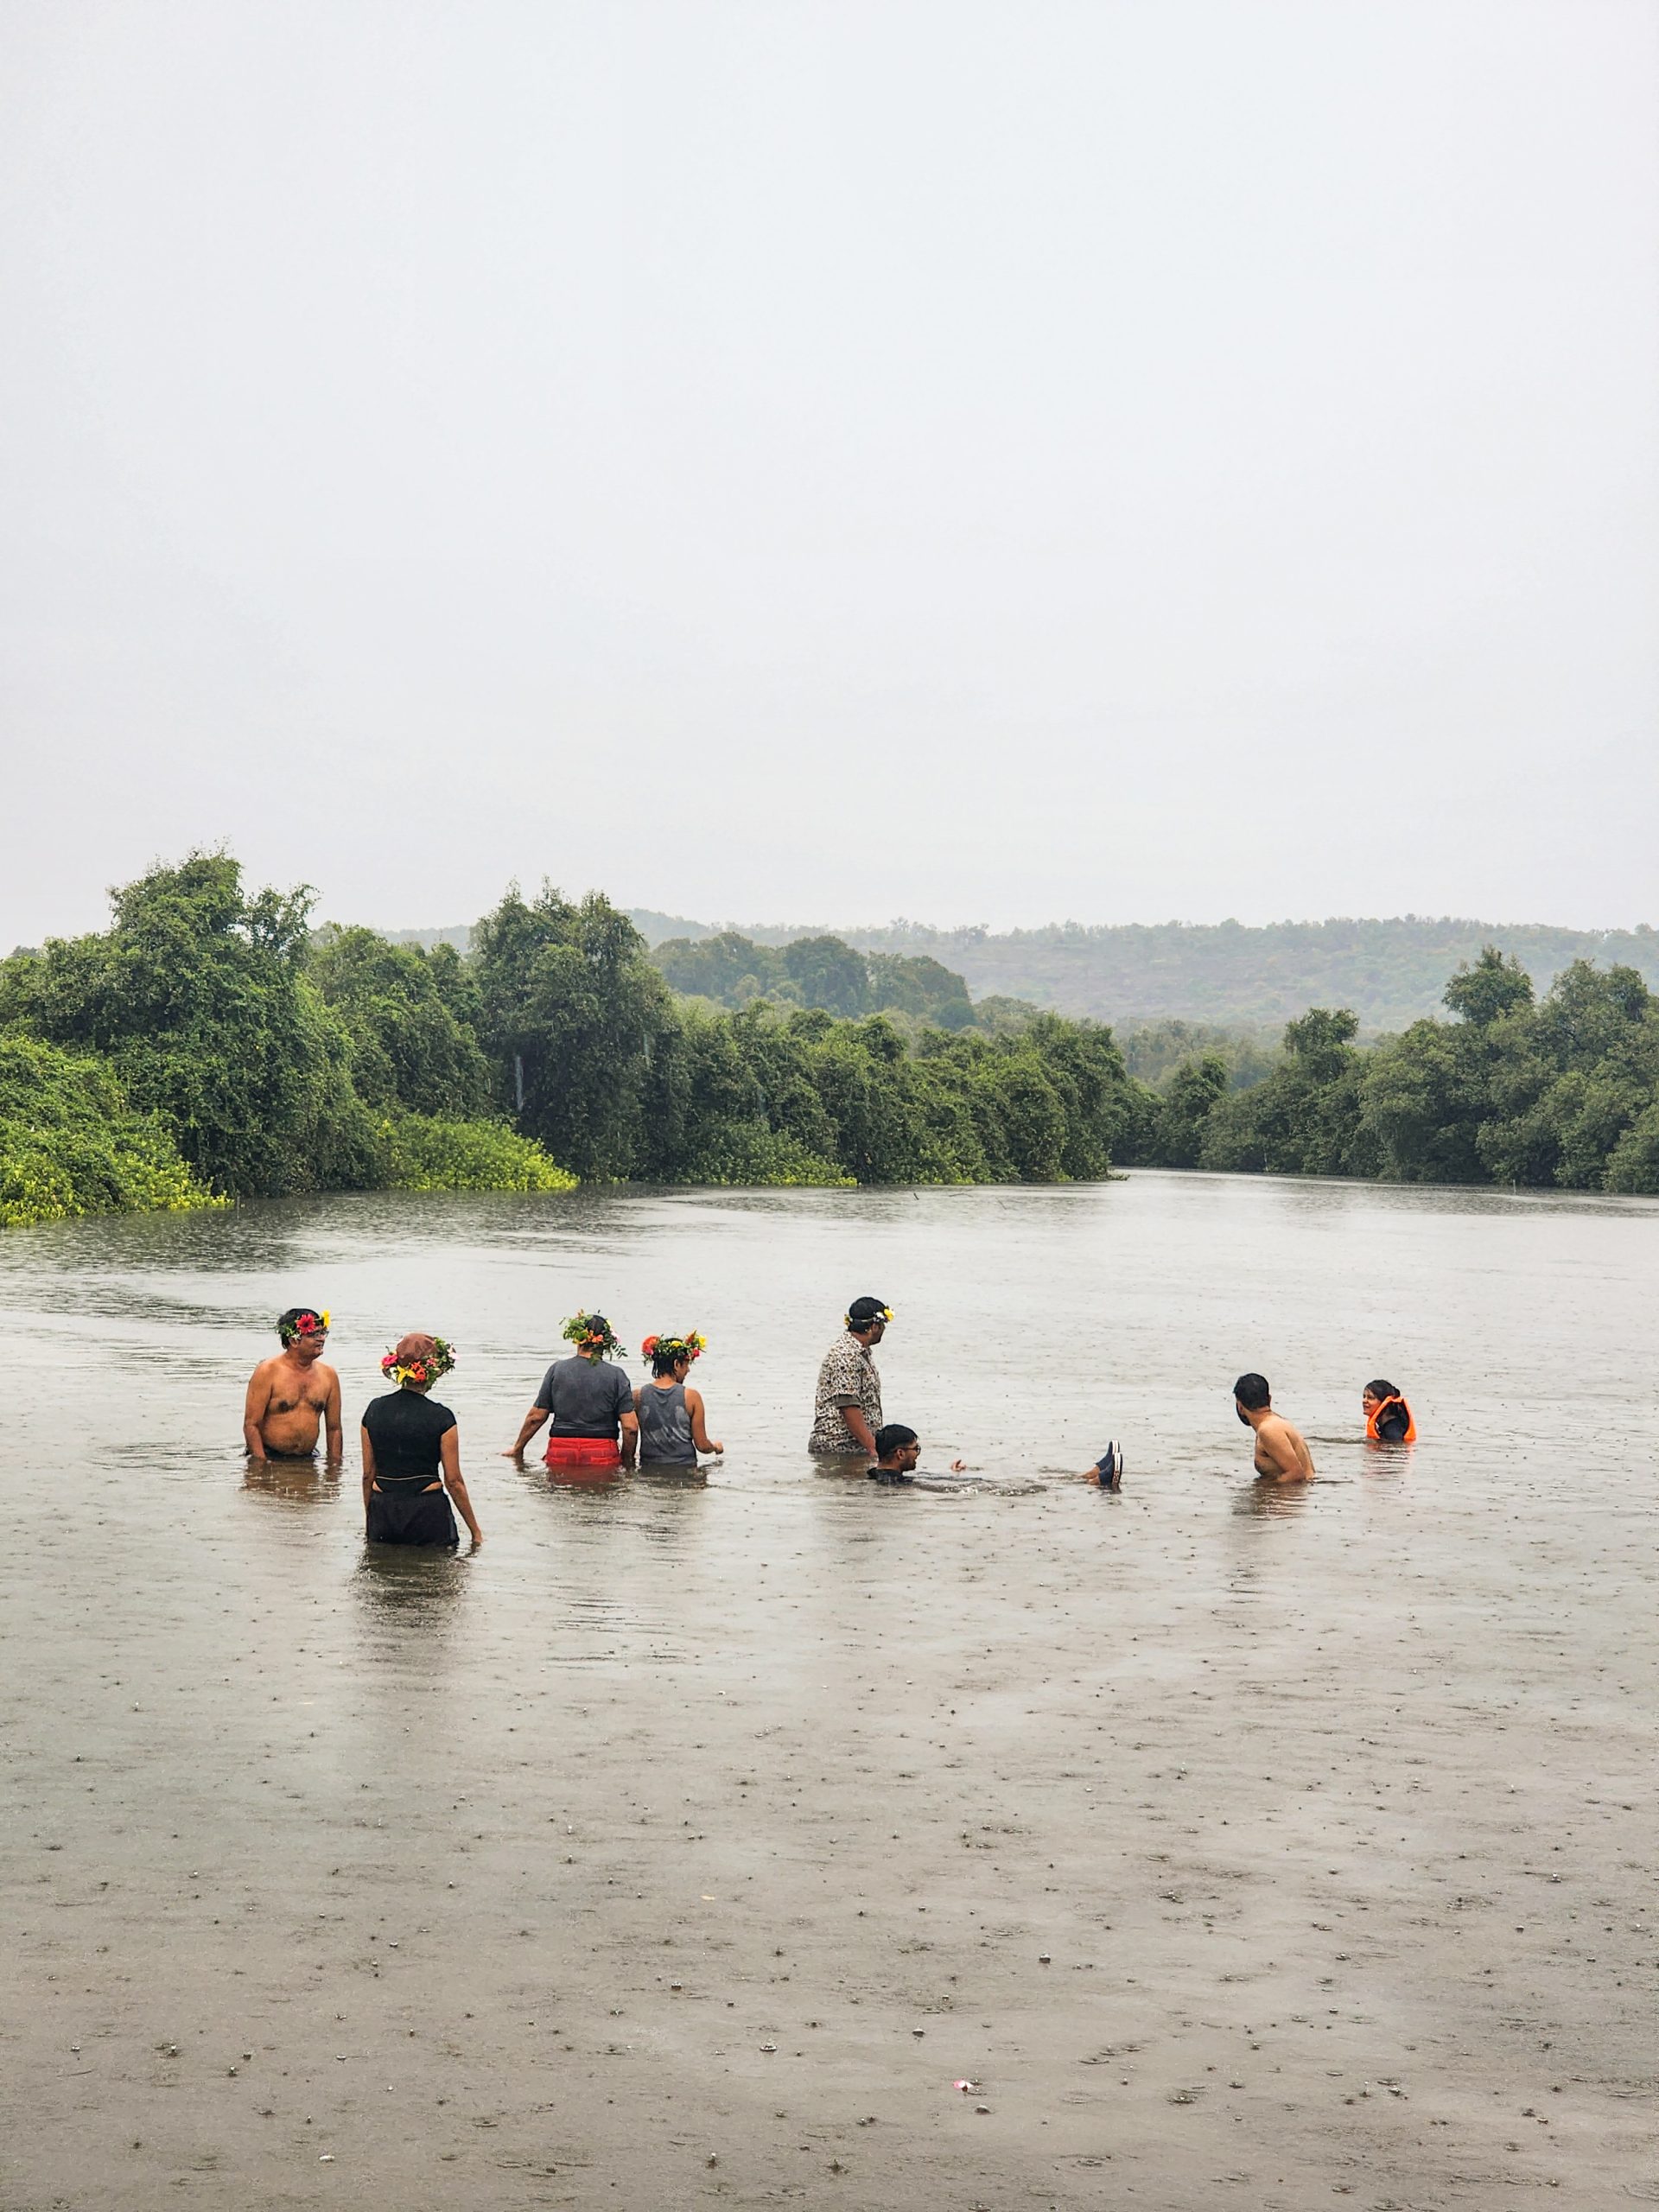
<point>1375,1417</point>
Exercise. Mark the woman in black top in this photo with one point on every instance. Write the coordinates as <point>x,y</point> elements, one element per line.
<point>412,1452</point>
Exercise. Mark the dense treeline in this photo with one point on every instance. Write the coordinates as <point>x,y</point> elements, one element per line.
<point>1562,1091</point>
<point>235,1059</point>
<point>1155,1051</point>
<point>231,1050</point>
<point>733,971</point>
<point>210,1044</point>
<point>618,1077</point>
<point>1390,972</point>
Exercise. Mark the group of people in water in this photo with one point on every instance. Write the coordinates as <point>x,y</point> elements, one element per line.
<point>597,1420</point>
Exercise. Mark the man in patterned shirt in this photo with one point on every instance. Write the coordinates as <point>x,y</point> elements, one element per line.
<point>848,1410</point>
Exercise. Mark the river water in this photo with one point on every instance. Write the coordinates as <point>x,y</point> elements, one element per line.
<point>689,1842</point>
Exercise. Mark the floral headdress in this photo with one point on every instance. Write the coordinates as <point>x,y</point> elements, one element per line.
<point>304,1322</point>
<point>691,1345</point>
<point>418,1373</point>
<point>592,1335</point>
<point>863,1312</point>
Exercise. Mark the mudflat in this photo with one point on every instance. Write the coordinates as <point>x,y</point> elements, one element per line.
<point>692,1843</point>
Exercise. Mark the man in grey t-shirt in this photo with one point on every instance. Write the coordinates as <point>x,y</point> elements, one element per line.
<point>590,1404</point>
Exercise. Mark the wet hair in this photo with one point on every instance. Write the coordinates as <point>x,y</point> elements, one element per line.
<point>1252,1392</point>
<point>893,1438</point>
<point>864,1312</point>
<point>288,1324</point>
<point>668,1354</point>
<point>1380,1390</point>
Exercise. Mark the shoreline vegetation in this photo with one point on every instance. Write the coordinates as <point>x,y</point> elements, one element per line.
<point>212,1045</point>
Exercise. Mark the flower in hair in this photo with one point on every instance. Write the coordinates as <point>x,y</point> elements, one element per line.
<point>423,1370</point>
<point>592,1335</point>
<point>304,1323</point>
<point>691,1345</point>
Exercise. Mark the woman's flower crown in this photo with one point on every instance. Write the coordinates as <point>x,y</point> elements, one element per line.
<point>419,1373</point>
<point>303,1324</point>
<point>691,1345</point>
<point>592,1335</point>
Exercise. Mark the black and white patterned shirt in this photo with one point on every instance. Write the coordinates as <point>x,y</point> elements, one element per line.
<point>848,1378</point>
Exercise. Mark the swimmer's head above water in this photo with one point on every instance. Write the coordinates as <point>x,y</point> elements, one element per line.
<point>1388,1417</point>
<point>1251,1396</point>
<point>897,1448</point>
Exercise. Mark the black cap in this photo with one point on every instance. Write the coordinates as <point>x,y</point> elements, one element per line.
<point>863,1310</point>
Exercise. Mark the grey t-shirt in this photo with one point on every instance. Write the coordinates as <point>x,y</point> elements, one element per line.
<point>586,1397</point>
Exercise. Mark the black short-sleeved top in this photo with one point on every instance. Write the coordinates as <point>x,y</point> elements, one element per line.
<point>586,1397</point>
<point>405,1429</point>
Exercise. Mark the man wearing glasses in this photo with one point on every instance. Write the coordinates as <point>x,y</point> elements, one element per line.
<point>295,1394</point>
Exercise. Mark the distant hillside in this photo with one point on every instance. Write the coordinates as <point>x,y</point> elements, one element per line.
<point>460,934</point>
<point>1390,972</point>
<point>1240,979</point>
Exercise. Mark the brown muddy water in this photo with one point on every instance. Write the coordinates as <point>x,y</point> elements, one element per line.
<point>687,1844</point>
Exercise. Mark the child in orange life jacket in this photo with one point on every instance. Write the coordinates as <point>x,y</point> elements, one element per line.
<point>1388,1417</point>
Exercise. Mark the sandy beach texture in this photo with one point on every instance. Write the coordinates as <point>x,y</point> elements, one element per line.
<point>693,1844</point>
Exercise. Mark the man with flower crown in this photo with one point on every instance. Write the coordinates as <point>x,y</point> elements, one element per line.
<point>588,1402</point>
<point>295,1394</point>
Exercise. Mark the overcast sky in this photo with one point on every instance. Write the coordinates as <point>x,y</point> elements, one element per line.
<point>1000,462</point>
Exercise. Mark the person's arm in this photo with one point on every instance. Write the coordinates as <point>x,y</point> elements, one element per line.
<point>1281,1446</point>
<point>629,1444</point>
<point>253,1412</point>
<point>532,1421</point>
<point>843,1373</point>
<point>368,1471</point>
<point>454,1482</point>
<point>700,1436</point>
<point>858,1429</point>
<point>335,1447</point>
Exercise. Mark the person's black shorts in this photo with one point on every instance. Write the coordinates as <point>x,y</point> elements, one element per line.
<point>418,1517</point>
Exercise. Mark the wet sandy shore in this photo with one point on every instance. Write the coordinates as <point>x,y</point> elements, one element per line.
<point>687,1845</point>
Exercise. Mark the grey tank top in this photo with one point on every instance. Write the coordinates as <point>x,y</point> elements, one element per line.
<point>665,1427</point>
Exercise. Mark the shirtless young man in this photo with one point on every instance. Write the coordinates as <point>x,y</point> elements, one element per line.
<point>294,1395</point>
<point>1281,1456</point>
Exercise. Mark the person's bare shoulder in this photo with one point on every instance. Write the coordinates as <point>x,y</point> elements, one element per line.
<point>1298,1444</point>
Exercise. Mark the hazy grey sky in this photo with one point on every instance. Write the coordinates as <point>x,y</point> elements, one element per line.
<point>979,462</point>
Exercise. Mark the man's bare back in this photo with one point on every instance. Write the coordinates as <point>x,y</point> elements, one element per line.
<point>293,1395</point>
<point>1281,1452</point>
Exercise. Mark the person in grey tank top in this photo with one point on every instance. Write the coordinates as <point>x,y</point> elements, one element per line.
<point>673,1429</point>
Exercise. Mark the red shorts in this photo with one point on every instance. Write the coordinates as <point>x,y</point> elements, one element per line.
<point>581,1452</point>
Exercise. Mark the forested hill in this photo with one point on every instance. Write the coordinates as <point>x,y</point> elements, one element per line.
<point>1390,973</point>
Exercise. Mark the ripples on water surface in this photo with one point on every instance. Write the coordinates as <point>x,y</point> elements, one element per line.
<point>1427,1683</point>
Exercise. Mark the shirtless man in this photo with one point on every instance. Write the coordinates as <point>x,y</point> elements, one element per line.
<point>291,1396</point>
<point>1281,1456</point>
